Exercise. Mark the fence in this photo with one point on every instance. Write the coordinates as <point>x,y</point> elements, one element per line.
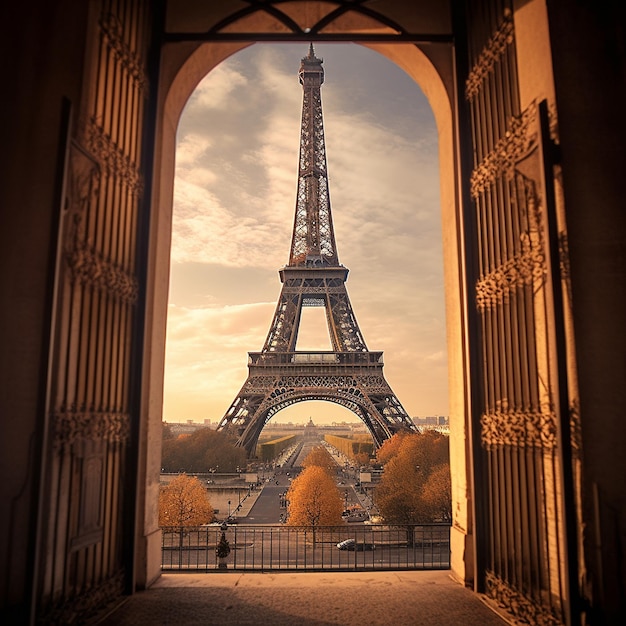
<point>264,548</point>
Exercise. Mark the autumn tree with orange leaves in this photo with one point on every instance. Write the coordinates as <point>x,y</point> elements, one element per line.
<point>314,500</point>
<point>184,502</point>
<point>320,457</point>
<point>415,486</point>
<point>390,447</point>
<point>437,494</point>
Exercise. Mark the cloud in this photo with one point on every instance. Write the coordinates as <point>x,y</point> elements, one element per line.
<point>379,195</point>
<point>216,91</point>
<point>380,186</point>
<point>236,177</point>
<point>190,149</point>
<point>206,355</point>
<point>207,232</point>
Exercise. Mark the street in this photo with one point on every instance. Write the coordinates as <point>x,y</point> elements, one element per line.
<point>267,509</point>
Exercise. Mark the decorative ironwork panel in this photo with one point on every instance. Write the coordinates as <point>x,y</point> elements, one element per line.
<point>519,426</point>
<point>89,411</point>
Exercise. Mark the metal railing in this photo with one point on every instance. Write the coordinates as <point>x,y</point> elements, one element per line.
<point>264,548</point>
<point>270,359</point>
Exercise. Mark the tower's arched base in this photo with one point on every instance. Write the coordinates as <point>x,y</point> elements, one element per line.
<point>277,380</point>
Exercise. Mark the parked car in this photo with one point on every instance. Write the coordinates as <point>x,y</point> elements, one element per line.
<point>354,545</point>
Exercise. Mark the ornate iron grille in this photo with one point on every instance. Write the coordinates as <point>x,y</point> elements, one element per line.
<point>90,392</point>
<point>522,506</point>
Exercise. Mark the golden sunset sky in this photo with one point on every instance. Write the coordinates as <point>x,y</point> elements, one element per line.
<point>235,189</point>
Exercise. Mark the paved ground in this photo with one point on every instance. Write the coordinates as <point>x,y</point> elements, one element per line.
<point>416,598</point>
<point>428,598</point>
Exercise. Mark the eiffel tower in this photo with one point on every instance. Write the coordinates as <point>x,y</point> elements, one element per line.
<point>279,375</point>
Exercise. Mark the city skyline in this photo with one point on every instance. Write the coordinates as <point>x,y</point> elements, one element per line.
<point>236,174</point>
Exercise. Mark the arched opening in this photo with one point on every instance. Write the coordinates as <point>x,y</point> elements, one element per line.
<point>85,314</point>
<point>184,71</point>
<point>319,411</point>
<point>233,214</point>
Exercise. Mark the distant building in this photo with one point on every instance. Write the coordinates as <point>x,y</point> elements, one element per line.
<point>431,421</point>
<point>310,430</point>
<point>188,427</point>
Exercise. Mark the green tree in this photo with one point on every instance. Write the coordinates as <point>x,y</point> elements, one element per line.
<point>184,502</point>
<point>314,500</point>
<point>222,550</point>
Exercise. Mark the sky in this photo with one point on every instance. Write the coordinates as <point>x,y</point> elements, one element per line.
<point>234,205</point>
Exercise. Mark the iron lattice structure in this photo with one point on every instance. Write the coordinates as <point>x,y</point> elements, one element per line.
<point>349,375</point>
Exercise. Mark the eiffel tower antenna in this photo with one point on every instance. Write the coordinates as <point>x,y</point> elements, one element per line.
<point>279,375</point>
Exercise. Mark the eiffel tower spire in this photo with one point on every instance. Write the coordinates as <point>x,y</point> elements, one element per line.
<point>313,248</point>
<point>313,238</point>
<point>279,375</point>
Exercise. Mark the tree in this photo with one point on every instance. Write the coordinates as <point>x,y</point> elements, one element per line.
<point>314,500</point>
<point>389,448</point>
<point>184,502</point>
<point>361,459</point>
<point>320,457</point>
<point>167,431</point>
<point>424,450</point>
<point>201,450</point>
<point>398,494</point>
<point>413,488</point>
<point>437,494</point>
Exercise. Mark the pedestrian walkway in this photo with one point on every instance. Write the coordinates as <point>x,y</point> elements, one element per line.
<point>424,598</point>
<point>248,502</point>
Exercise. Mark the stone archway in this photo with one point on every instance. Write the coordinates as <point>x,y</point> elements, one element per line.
<point>535,331</point>
<point>182,70</point>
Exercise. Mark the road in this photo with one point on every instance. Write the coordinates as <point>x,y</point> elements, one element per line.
<point>267,509</point>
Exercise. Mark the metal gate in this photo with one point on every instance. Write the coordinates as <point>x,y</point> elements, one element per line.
<point>90,406</point>
<point>523,441</point>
